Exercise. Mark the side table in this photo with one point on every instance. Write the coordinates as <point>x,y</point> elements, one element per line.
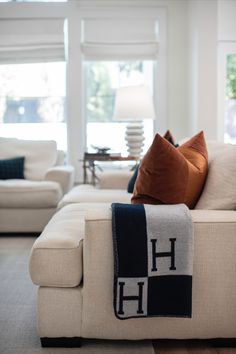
<point>90,159</point>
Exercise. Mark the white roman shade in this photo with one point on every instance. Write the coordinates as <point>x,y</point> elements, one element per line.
<point>31,40</point>
<point>119,38</point>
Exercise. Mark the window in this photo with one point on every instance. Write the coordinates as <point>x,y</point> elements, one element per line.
<point>230,108</point>
<point>102,78</point>
<point>32,101</point>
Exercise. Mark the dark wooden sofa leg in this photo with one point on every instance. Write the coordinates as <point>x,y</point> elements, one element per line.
<point>62,342</point>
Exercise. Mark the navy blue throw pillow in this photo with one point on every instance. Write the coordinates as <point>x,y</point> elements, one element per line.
<point>132,180</point>
<point>12,168</point>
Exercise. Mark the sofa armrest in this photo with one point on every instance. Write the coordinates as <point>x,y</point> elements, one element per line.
<point>214,286</point>
<point>56,256</point>
<point>64,175</point>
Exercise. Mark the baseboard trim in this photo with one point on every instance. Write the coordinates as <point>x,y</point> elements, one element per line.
<point>61,342</point>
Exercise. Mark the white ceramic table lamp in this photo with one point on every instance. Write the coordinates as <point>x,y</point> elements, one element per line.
<point>133,104</point>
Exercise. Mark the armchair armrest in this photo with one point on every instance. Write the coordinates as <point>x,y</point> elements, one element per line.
<point>64,175</point>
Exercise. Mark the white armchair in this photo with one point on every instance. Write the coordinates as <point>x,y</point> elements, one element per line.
<point>26,205</point>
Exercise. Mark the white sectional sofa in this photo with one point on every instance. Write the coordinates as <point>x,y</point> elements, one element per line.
<point>112,188</point>
<point>26,205</point>
<point>72,263</point>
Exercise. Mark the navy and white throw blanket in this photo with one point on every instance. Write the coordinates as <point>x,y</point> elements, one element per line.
<point>153,251</point>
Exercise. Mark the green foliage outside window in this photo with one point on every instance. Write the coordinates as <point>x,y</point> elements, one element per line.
<point>100,91</point>
<point>231,77</point>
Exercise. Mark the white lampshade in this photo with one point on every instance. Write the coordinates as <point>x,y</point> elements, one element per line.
<point>133,103</point>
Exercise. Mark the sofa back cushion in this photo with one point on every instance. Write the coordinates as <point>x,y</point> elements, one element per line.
<point>220,189</point>
<point>171,176</point>
<point>215,148</point>
<point>39,155</point>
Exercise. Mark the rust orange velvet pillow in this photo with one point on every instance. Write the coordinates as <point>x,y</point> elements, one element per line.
<point>170,176</point>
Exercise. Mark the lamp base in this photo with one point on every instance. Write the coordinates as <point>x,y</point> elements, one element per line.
<point>134,137</point>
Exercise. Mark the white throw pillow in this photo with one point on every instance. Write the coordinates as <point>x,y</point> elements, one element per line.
<point>39,155</point>
<point>215,148</point>
<point>220,189</point>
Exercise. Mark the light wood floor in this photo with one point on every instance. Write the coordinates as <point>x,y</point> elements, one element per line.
<point>189,347</point>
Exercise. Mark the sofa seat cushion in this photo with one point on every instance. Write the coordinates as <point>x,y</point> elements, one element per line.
<point>17,193</point>
<point>90,194</point>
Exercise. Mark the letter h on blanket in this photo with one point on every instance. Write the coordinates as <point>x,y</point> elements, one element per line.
<point>170,254</point>
<point>153,247</point>
<point>123,298</point>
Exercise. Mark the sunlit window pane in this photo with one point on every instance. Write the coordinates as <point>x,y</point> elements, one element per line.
<point>102,79</point>
<point>32,101</point>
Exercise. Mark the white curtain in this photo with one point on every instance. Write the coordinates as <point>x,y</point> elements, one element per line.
<point>27,40</point>
<point>119,38</point>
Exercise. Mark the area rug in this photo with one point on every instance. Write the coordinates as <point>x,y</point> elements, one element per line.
<point>18,334</point>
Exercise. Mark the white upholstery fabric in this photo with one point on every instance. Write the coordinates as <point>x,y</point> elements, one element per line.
<point>27,205</point>
<point>39,155</point>
<point>88,312</point>
<point>214,285</point>
<point>24,220</point>
<point>64,175</point>
<point>59,313</point>
<point>220,188</point>
<point>82,194</point>
<point>115,179</point>
<point>56,257</point>
<point>60,158</point>
<point>29,194</point>
<point>215,147</point>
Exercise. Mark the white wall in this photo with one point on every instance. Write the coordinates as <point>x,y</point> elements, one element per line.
<point>177,73</point>
<point>202,77</point>
<point>226,20</point>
